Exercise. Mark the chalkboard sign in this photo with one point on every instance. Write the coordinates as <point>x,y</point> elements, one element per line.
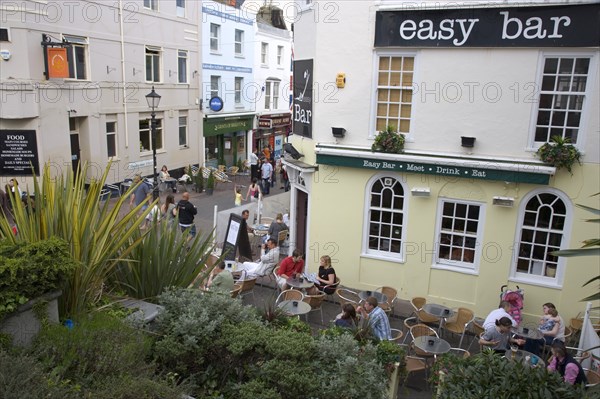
<point>18,153</point>
<point>236,237</point>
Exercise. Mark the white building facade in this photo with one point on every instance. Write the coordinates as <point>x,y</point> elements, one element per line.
<point>467,207</point>
<point>89,105</point>
<point>228,82</point>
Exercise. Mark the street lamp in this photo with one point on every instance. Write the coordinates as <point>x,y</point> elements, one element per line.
<point>153,100</point>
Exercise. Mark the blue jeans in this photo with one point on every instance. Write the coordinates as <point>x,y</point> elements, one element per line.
<point>266,186</point>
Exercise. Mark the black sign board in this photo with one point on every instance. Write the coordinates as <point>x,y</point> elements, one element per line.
<point>574,25</point>
<point>18,153</point>
<point>303,92</point>
<point>236,237</point>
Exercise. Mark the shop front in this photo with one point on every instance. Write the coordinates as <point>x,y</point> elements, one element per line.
<point>225,139</point>
<point>272,130</point>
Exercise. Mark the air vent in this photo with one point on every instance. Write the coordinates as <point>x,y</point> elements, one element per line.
<point>4,35</point>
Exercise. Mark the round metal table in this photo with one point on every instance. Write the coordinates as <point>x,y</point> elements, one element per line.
<point>294,308</point>
<point>432,344</point>
<point>301,285</point>
<point>525,357</point>
<point>526,332</point>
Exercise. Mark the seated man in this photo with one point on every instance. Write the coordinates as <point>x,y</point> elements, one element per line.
<point>498,337</point>
<point>497,314</point>
<point>266,262</point>
<point>376,317</point>
<point>220,279</point>
<point>289,267</point>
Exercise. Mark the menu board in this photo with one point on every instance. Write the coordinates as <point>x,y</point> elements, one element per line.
<point>18,153</point>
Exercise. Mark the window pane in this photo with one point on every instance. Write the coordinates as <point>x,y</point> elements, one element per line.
<point>386,216</point>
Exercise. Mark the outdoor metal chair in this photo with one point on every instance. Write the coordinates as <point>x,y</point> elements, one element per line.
<point>414,364</point>
<point>460,352</point>
<point>424,317</point>
<point>464,317</point>
<point>396,335</point>
<point>420,330</point>
<point>316,304</point>
<point>347,296</point>
<point>247,283</point>
<point>592,376</point>
<point>391,294</point>
<point>289,295</point>
<point>477,328</point>
<point>236,290</point>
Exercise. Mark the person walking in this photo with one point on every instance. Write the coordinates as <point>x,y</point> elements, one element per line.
<point>186,212</point>
<point>254,165</point>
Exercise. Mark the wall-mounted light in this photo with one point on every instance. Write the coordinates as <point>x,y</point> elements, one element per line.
<point>109,69</point>
<point>339,132</point>
<point>503,201</point>
<point>421,192</point>
<point>467,141</point>
<point>194,74</point>
<point>136,71</point>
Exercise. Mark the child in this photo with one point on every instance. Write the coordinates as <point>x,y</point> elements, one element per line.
<point>549,320</point>
<point>238,195</point>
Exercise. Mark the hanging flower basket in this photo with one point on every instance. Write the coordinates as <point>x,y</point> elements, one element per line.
<point>389,140</point>
<point>559,153</point>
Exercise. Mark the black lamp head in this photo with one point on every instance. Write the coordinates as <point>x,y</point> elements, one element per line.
<point>289,148</point>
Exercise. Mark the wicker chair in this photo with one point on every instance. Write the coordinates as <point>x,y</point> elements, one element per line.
<point>420,330</point>
<point>236,290</point>
<point>463,319</point>
<point>593,378</point>
<point>347,296</point>
<point>424,317</point>
<point>316,303</point>
<point>396,335</point>
<point>392,296</point>
<point>289,295</point>
<point>247,283</point>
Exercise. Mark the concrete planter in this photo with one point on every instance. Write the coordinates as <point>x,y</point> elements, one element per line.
<point>23,325</point>
<point>394,382</point>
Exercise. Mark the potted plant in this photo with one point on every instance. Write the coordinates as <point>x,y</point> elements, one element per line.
<point>210,184</point>
<point>198,180</point>
<point>559,153</point>
<point>30,281</point>
<point>389,140</point>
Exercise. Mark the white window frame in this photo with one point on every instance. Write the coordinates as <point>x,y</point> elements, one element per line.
<point>238,43</point>
<point>455,265</point>
<point>159,132</point>
<point>182,76</point>
<point>238,87</point>
<point>378,253</point>
<point>268,94</point>
<point>77,42</point>
<point>114,135</point>
<point>215,38</point>
<point>388,53</point>
<point>183,123</point>
<point>280,52</point>
<point>154,53</point>
<point>264,53</point>
<point>534,279</point>
<point>587,95</point>
<point>275,95</point>
<point>151,5</point>
<point>215,81</point>
<point>180,9</point>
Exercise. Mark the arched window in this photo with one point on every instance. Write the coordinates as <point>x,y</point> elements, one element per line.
<point>542,230</point>
<point>386,217</point>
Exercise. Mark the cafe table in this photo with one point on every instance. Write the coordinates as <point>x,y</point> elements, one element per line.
<point>526,332</point>
<point>432,344</point>
<point>301,285</point>
<point>440,311</point>
<point>525,357</point>
<point>294,308</point>
<point>381,298</point>
<point>260,229</point>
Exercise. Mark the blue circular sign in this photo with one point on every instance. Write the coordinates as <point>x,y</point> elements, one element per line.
<point>215,104</point>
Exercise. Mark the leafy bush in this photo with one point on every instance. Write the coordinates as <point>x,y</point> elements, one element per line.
<point>559,153</point>
<point>28,270</point>
<point>488,375</point>
<point>228,350</point>
<point>21,377</point>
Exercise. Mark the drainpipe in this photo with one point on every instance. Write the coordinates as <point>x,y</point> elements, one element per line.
<point>123,72</point>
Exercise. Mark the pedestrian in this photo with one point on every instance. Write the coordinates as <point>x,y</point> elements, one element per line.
<point>254,164</point>
<point>186,211</point>
<point>238,195</point>
<point>266,171</point>
<point>140,194</point>
<point>253,191</point>
<point>167,210</point>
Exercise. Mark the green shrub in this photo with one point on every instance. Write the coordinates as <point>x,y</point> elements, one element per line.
<point>129,387</point>
<point>28,270</point>
<point>99,347</point>
<point>21,377</point>
<point>489,375</point>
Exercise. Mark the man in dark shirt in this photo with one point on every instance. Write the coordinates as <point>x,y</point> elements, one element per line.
<point>186,211</point>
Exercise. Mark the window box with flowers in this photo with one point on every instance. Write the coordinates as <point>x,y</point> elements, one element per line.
<point>389,140</point>
<point>559,153</point>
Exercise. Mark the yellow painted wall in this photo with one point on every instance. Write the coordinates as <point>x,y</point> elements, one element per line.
<point>337,205</point>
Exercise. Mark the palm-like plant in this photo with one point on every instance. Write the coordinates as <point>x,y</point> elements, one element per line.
<point>70,207</point>
<point>591,247</point>
<point>164,259</point>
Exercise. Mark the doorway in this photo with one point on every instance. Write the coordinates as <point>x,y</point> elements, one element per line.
<point>75,148</point>
<point>301,218</point>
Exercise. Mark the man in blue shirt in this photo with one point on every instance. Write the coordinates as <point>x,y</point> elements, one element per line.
<point>376,317</point>
<point>140,193</point>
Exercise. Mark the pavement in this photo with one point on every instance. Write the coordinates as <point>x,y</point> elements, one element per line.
<point>265,292</point>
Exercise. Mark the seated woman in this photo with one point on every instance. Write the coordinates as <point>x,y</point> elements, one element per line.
<point>165,177</point>
<point>551,326</point>
<point>565,365</point>
<point>325,277</point>
<point>348,317</point>
<point>497,337</point>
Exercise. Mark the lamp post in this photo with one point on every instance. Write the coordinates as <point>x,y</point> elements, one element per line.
<point>153,100</point>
